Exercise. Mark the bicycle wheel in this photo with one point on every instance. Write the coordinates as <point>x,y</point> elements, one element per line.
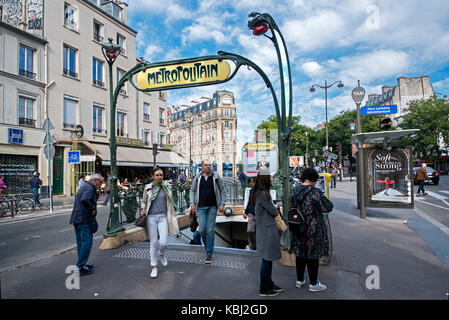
<point>25,206</point>
<point>4,208</point>
<point>324,261</point>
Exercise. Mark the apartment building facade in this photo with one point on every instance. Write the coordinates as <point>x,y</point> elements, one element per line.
<point>73,80</point>
<point>405,91</point>
<point>212,135</point>
<point>22,105</point>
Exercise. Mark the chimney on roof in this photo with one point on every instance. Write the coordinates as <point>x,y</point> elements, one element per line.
<point>124,5</point>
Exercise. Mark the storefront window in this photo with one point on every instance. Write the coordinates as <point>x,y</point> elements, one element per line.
<point>17,170</point>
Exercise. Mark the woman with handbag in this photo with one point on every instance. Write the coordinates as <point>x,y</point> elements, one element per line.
<point>267,236</point>
<point>160,209</point>
<point>310,245</point>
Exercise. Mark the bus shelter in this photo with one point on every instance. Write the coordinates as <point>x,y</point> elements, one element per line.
<point>384,172</point>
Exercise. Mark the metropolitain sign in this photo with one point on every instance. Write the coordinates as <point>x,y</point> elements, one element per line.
<point>171,76</point>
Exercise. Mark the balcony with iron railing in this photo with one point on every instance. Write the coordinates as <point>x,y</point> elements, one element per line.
<point>97,37</point>
<point>71,24</point>
<point>27,74</point>
<point>201,120</point>
<point>70,73</point>
<point>99,131</point>
<point>98,83</point>
<point>70,126</point>
<point>27,122</point>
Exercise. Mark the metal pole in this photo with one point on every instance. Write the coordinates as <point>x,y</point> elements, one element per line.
<point>114,225</point>
<point>48,173</point>
<point>307,149</point>
<point>327,134</point>
<point>190,145</point>
<point>362,183</point>
<point>359,125</point>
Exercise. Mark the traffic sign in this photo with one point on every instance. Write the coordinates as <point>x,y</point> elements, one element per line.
<point>74,157</point>
<point>48,139</point>
<point>47,124</point>
<point>49,151</point>
<point>378,110</point>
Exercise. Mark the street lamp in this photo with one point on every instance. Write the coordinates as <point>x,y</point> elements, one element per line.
<point>190,119</point>
<point>260,24</point>
<point>110,52</point>
<point>325,87</point>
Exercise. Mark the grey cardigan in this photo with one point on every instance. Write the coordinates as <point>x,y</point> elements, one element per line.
<point>219,189</point>
<point>267,235</point>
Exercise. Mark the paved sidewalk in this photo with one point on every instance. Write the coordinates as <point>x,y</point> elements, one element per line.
<point>408,266</point>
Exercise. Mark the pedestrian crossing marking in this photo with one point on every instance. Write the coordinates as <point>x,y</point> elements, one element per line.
<point>444,191</point>
<point>436,195</point>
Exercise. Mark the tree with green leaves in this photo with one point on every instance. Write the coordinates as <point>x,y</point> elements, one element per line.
<point>431,117</point>
<point>298,136</point>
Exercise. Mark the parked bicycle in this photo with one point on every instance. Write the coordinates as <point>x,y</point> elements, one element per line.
<point>20,202</point>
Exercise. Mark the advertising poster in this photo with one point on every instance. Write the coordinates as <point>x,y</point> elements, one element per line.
<point>296,161</point>
<point>389,178</point>
<point>259,155</point>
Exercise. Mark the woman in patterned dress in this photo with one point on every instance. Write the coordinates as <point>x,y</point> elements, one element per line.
<point>310,246</point>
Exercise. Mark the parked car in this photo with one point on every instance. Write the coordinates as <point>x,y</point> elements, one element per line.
<point>433,175</point>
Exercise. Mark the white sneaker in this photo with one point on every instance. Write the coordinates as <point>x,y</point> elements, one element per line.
<point>163,260</point>
<point>153,273</point>
<point>318,287</point>
<point>300,284</point>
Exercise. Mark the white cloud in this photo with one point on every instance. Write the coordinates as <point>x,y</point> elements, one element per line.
<point>151,51</point>
<point>326,40</point>
<point>311,68</point>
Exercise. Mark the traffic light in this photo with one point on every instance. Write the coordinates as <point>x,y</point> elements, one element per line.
<point>385,124</point>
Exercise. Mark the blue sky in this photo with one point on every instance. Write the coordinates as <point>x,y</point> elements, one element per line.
<point>372,41</point>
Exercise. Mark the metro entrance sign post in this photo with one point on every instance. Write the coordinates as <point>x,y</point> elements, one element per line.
<point>358,93</point>
<point>203,71</point>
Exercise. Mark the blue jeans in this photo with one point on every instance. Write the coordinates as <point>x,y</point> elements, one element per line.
<point>206,221</point>
<point>84,241</point>
<point>196,237</point>
<point>421,186</point>
<point>266,268</point>
<point>35,192</point>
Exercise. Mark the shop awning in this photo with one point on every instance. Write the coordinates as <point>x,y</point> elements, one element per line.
<point>139,157</point>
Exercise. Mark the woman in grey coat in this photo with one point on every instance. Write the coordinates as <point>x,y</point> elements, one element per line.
<point>267,236</point>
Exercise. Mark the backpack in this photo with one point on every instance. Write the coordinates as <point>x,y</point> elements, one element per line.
<point>296,218</point>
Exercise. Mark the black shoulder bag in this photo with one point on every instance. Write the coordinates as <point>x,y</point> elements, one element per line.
<point>296,218</point>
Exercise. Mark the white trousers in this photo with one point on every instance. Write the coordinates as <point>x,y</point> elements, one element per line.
<point>157,223</point>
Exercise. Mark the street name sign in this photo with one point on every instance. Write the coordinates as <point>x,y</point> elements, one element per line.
<point>15,136</point>
<point>379,110</point>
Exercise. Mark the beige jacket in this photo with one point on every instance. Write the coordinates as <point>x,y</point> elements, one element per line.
<point>173,228</point>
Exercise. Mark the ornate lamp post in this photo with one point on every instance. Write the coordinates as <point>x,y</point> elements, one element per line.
<point>190,119</point>
<point>111,51</point>
<point>260,24</point>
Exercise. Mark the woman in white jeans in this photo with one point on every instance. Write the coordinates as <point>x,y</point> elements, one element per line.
<point>158,205</point>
